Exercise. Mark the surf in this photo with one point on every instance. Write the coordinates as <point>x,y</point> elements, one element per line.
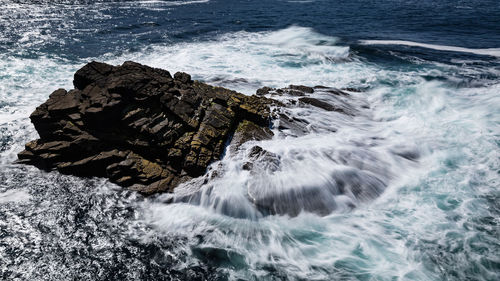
<point>494,52</point>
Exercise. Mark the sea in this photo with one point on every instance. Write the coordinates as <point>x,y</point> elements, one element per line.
<point>425,76</point>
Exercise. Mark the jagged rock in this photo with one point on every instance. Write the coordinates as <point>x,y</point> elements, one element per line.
<point>292,90</point>
<point>292,125</point>
<point>263,91</point>
<point>148,131</point>
<point>321,104</point>
<point>302,88</point>
<point>248,130</point>
<point>141,127</point>
<point>261,161</point>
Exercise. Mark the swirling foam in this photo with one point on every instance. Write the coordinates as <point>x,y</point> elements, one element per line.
<point>442,207</point>
<point>495,52</point>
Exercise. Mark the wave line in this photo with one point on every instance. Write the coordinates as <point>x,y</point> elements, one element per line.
<point>495,52</point>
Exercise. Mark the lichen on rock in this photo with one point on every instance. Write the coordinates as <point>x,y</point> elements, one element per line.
<point>149,131</point>
<point>139,126</point>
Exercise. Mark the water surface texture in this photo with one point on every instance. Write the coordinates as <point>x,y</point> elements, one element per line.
<point>427,127</point>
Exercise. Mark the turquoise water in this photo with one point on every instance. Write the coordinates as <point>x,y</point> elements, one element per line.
<point>436,219</point>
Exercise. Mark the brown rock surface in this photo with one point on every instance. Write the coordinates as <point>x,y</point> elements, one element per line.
<point>141,127</point>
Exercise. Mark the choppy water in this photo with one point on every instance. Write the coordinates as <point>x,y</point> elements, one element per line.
<point>430,75</point>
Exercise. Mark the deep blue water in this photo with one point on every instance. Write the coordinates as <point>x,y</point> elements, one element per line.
<point>82,29</point>
<point>429,71</point>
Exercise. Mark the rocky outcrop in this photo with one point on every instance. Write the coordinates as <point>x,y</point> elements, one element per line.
<point>149,131</point>
<point>140,127</point>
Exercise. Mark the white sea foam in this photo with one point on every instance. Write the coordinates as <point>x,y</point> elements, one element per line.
<point>26,83</point>
<point>378,237</point>
<point>14,195</point>
<point>411,114</point>
<point>436,198</point>
<point>245,61</point>
<point>495,52</point>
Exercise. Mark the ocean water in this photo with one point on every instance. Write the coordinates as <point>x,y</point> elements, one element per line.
<point>427,126</point>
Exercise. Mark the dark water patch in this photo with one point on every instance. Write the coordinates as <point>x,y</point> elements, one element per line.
<point>72,28</point>
<point>71,228</point>
<point>5,139</point>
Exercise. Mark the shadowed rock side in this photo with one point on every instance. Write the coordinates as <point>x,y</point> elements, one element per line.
<point>141,127</point>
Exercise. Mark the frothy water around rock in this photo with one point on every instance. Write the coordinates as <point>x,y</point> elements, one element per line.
<point>319,161</point>
<point>424,139</point>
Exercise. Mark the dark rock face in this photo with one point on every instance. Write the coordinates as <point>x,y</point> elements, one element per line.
<point>247,131</point>
<point>141,127</point>
<point>302,88</point>
<point>321,104</point>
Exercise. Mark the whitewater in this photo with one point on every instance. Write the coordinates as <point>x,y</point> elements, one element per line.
<point>426,127</point>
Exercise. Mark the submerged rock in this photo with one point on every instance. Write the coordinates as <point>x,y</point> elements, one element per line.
<point>141,127</point>
<point>302,88</point>
<point>321,104</point>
